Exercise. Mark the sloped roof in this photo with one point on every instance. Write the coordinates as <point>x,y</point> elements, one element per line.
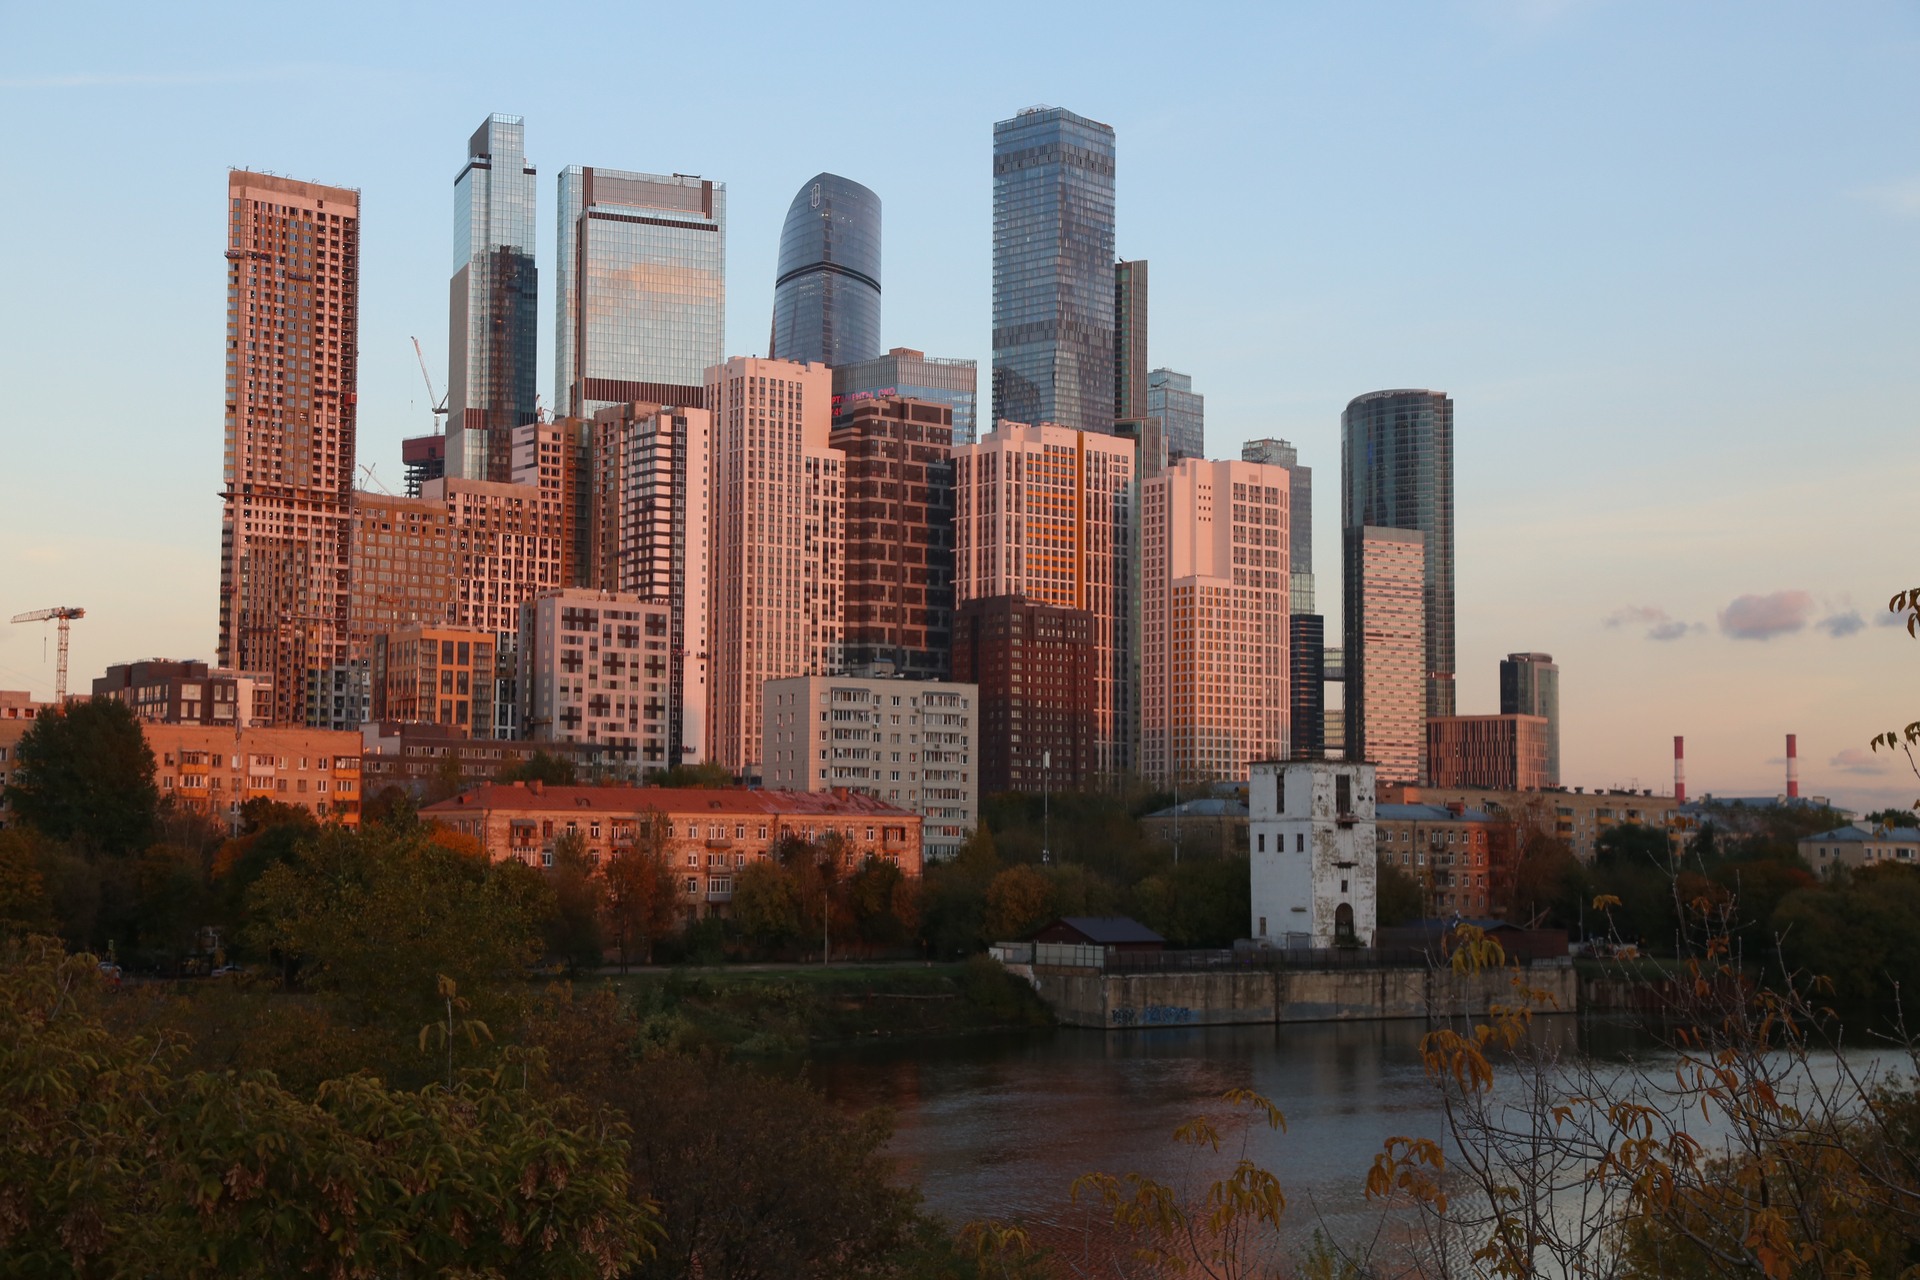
<point>1860,835</point>
<point>1108,931</point>
<point>1206,807</point>
<point>679,800</point>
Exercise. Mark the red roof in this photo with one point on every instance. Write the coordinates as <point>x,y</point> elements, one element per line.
<point>627,800</point>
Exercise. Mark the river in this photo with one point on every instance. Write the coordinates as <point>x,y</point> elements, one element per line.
<point>998,1127</point>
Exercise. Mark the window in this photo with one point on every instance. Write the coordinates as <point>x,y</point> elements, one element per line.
<point>1300,842</point>
<point>1343,794</point>
<point>1263,844</point>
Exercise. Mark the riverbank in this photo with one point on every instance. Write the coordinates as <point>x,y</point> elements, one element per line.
<point>781,1011</point>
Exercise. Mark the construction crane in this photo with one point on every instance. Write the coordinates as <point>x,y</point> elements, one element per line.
<point>441,407</point>
<point>65,615</point>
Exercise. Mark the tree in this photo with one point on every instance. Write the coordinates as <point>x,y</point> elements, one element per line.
<point>1633,844</point>
<point>1397,896</point>
<point>640,889</point>
<point>84,773</point>
<point>883,904</point>
<point>1019,900</point>
<point>113,1163</point>
<point>766,905</point>
<point>817,870</point>
<point>24,904</point>
<point>953,896</point>
<point>706,774</point>
<point>572,928</point>
<point>449,778</point>
<point>553,771</point>
<point>375,916</point>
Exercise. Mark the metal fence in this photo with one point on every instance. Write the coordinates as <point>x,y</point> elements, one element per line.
<point>1114,960</point>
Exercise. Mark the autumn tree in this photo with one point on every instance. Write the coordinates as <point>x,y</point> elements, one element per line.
<point>553,771</point>
<point>572,925</point>
<point>766,904</point>
<point>640,889</point>
<point>1019,900</point>
<point>706,774</point>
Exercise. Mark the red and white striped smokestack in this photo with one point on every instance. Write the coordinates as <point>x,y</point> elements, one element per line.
<point>1793,767</point>
<point>1679,769</point>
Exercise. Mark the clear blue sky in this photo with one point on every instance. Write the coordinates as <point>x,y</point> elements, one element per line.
<point>1662,256</point>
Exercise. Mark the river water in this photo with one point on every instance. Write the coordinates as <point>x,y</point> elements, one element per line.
<point>998,1127</point>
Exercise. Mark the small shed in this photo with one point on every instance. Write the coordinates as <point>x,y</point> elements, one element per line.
<point>1118,932</point>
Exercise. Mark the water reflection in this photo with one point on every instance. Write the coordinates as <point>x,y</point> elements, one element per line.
<point>999,1127</point>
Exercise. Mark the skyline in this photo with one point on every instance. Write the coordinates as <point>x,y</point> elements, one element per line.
<point>1688,257</point>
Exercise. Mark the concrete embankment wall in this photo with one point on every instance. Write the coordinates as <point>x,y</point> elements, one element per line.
<point>1090,998</point>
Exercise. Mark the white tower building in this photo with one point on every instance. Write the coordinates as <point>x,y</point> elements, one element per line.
<point>1312,853</point>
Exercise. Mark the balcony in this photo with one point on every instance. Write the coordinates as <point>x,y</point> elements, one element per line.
<point>719,895</point>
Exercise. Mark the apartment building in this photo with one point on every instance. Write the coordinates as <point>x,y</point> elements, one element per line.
<point>594,670</point>
<point>912,743</point>
<point>216,770</point>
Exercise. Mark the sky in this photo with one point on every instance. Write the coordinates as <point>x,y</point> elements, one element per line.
<point>1661,256</point>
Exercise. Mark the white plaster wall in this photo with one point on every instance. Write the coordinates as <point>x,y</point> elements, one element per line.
<point>1298,889</point>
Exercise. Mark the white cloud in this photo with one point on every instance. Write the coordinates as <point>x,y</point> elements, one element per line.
<point>1842,624</point>
<point>1764,617</point>
<point>1855,760</point>
<point>1659,625</point>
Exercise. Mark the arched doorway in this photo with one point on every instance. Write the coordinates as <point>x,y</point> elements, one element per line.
<point>1343,935</point>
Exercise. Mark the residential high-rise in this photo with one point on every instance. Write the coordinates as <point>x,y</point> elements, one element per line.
<point>1129,340</point>
<point>293,322</point>
<point>651,472</point>
<point>826,289</point>
<point>1530,686</point>
<point>641,310</point>
<point>1035,666</point>
<point>912,743</point>
<point>1386,666</point>
<point>1053,270</point>
<point>435,675</point>
<point>1051,515</point>
<point>493,312</point>
<point>899,546</point>
<point>906,372</point>
<point>1182,412</point>
<point>778,540</point>
<point>554,456</point>
<point>1396,472</point>
<point>1309,627</point>
<point>1214,664</point>
<point>591,672</point>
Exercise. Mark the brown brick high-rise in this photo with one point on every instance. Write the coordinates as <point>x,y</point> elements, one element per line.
<point>1035,665</point>
<point>899,605</point>
<point>293,278</point>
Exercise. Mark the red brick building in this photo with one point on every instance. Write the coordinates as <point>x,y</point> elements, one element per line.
<point>714,833</point>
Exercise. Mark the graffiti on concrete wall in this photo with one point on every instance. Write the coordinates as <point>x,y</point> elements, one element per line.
<point>1153,1015</point>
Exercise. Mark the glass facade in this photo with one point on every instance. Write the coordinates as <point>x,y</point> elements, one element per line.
<point>494,301</point>
<point>1182,414</point>
<point>1280,453</point>
<point>1396,472</point>
<point>1053,284</point>
<point>642,288</point>
<point>1129,340</point>
<point>1530,686</point>
<point>826,290</point>
<point>909,373</point>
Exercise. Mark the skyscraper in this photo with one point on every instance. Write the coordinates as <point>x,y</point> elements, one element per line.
<point>1214,654</point>
<point>293,320</point>
<point>493,305</point>
<point>1182,413</point>
<point>641,311</point>
<point>1129,340</point>
<point>1050,514</point>
<point>899,546</point>
<point>1530,686</point>
<point>650,507</point>
<point>1307,631</point>
<point>1396,472</point>
<point>906,372</point>
<point>1385,651</point>
<point>1053,278</point>
<point>778,534</point>
<point>826,289</point>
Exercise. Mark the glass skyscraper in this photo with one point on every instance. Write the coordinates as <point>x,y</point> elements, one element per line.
<point>1053,283</point>
<point>1530,686</point>
<point>1129,340</point>
<point>1396,472</point>
<point>642,297</point>
<point>826,290</point>
<point>1306,641</point>
<point>1182,413</point>
<point>915,375</point>
<point>494,298</point>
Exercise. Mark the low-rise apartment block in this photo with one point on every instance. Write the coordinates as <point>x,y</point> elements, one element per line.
<point>217,770</point>
<point>912,743</point>
<point>1862,844</point>
<point>163,691</point>
<point>707,836</point>
<point>18,713</point>
<point>1461,857</point>
<point>1576,816</point>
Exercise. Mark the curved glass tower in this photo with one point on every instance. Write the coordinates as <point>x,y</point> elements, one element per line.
<point>826,295</point>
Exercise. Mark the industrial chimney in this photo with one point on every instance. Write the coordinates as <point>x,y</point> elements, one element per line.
<point>1793,767</point>
<point>1679,769</point>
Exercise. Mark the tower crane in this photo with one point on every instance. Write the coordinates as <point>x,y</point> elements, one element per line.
<point>65,615</point>
<point>440,408</point>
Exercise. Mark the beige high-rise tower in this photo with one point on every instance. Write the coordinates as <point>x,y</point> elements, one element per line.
<point>777,538</point>
<point>292,277</point>
<point>1213,654</point>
